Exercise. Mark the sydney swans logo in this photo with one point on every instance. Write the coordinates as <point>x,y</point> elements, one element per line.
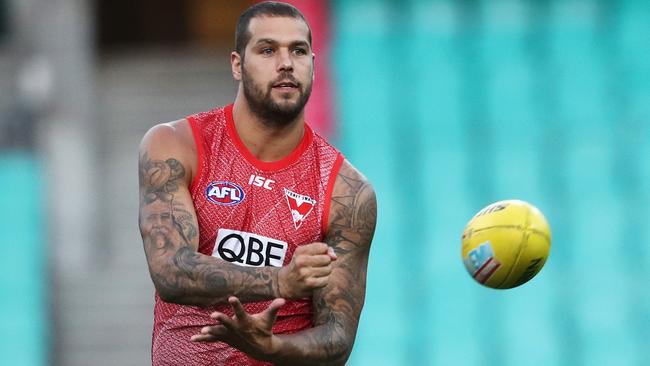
<point>300,206</point>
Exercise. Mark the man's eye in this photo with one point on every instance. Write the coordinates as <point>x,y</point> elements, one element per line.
<point>300,51</point>
<point>267,51</point>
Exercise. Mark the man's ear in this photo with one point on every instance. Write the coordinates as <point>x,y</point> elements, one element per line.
<point>236,65</point>
<point>313,61</point>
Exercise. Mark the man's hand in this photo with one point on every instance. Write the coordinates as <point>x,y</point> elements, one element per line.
<point>251,334</point>
<point>309,269</point>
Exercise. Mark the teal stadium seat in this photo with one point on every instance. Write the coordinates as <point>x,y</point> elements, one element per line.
<point>23,281</point>
<point>450,105</point>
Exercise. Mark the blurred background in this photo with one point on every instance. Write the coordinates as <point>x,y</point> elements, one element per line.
<point>446,106</point>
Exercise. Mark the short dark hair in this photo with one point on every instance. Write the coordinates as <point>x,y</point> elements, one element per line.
<point>267,8</point>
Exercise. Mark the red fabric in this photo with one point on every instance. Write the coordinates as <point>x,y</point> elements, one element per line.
<point>200,154</point>
<point>262,211</point>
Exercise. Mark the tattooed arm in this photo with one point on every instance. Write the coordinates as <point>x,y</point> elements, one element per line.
<point>169,230</point>
<point>337,306</point>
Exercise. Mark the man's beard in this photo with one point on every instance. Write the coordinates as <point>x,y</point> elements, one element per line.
<point>262,104</point>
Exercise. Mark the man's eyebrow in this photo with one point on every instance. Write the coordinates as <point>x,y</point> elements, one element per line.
<point>274,42</point>
<point>266,40</point>
<point>300,44</point>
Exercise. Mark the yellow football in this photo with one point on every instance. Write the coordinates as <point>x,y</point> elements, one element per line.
<point>506,244</point>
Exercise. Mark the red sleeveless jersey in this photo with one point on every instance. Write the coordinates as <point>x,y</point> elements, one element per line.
<point>250,213</point>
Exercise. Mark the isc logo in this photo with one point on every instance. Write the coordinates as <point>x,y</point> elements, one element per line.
<point>260,181</point>
<point>224,193</point>
<point>249,250</point>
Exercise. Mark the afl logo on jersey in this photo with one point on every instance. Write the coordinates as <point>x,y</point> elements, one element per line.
<point>224,193</point>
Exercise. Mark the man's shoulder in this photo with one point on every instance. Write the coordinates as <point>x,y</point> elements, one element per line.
<point>173,135</point>
<point>170,142</point>
<point>354,203</point>
<point>350,173</point>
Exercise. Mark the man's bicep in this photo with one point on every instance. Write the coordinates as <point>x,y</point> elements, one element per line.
<point>167,217</point>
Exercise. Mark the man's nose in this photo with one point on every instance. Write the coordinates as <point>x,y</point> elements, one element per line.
<point>285,62</point>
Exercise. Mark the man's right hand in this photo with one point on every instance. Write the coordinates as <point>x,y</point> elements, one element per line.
<point>309,269</point>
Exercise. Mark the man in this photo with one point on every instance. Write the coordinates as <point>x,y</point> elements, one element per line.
<point>256,231</point>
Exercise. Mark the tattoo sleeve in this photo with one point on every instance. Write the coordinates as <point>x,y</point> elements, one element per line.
<point>337,306</point>
<point>170,235</point>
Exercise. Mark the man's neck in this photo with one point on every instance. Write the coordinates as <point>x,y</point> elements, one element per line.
<point>266,143</point>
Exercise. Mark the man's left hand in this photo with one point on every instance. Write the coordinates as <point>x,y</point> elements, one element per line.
<point>250,333</point>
